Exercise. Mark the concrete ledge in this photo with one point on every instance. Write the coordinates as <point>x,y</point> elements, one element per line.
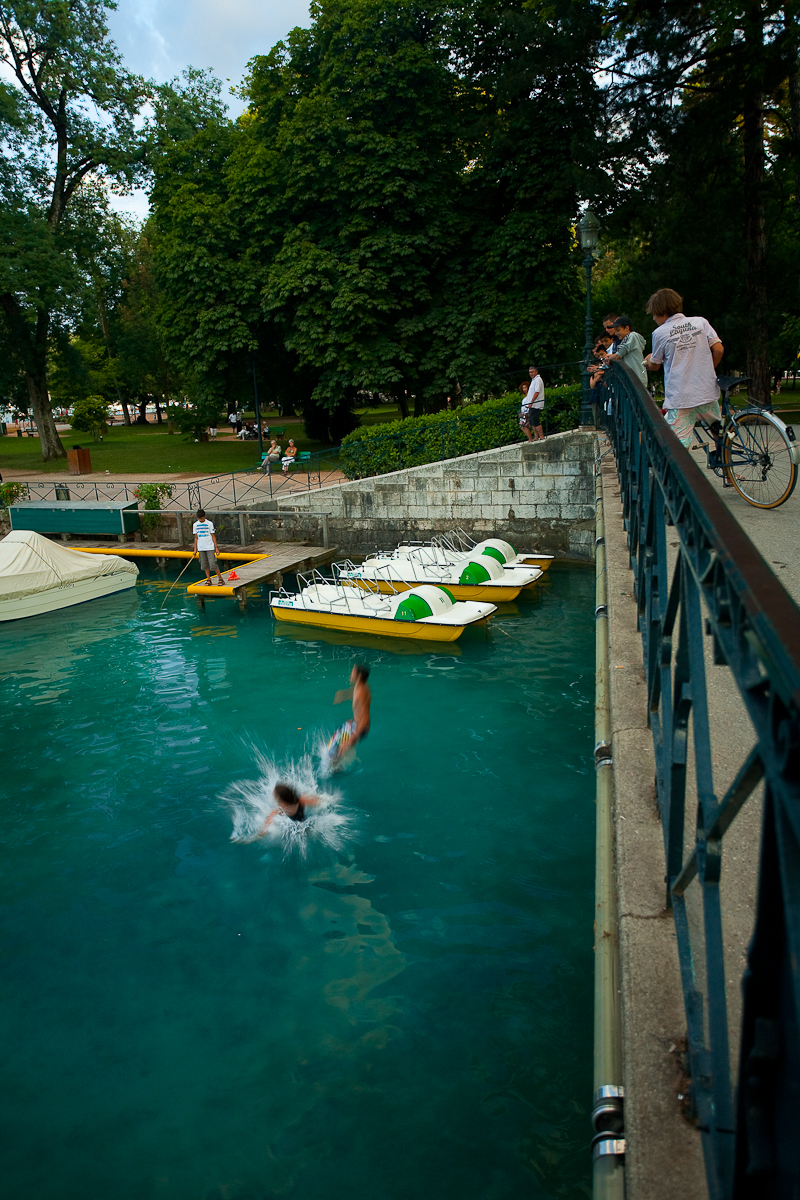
<point>664,1155</point>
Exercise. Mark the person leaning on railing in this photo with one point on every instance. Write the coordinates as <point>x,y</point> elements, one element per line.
<point>598,368</point>
<point>629,348</point>
<point>690,351</point>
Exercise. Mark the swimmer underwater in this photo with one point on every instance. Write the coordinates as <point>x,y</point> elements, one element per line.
<point>290,803</point>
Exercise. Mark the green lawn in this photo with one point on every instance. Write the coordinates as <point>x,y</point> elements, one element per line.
<point>378,415</point>
<point>151,449</point>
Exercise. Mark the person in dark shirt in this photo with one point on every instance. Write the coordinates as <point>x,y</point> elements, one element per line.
<point>290,803</point>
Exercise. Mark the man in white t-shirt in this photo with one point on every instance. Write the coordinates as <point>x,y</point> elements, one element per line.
<point>530,417</point>
<point>205,542</point>
<point>690,350</point>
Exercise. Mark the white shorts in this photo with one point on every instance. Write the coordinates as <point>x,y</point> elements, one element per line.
<point>683,420</point>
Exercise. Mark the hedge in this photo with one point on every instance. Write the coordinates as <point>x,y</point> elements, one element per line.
<point>378,449</point>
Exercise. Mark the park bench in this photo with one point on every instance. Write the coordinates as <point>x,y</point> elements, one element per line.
<point>302,456</point>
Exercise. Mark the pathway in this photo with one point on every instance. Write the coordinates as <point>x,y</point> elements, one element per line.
<point>664,1154</point>
<point>772,530</point>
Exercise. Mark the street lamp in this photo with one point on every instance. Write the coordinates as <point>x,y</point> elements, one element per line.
<point>255,405</point>
<point>589,229</point>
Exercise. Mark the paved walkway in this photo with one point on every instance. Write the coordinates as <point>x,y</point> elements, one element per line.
<point>664,1154</point>
<point>772,530</point>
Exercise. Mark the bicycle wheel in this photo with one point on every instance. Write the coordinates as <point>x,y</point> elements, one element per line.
<point>759,460</point>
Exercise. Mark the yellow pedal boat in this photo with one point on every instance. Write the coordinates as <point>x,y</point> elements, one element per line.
<point>426,613</point>
<point>479,577</point>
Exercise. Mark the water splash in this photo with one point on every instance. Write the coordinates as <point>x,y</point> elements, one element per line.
<point>251,801</point>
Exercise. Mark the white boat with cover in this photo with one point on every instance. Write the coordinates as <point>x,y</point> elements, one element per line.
<point>39,576</point>
<point>473,577</point>
<point>425,613</point>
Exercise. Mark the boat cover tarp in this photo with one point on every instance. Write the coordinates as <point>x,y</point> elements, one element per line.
<point>31,563</point>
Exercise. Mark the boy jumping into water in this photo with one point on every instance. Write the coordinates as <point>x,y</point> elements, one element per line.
<point>357,729</point>
<point>290,803</point>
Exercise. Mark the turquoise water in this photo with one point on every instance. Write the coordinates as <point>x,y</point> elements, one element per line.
<point>191,1018</point>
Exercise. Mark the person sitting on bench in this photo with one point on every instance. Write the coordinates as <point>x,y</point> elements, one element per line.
<point>289,456</point>
<point>271,455</point>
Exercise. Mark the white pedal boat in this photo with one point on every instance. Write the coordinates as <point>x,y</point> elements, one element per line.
<point>457,546</point>
<point>459,543</point>
<point>426,613</point>
<point>39,576</point>
<point>476,577</point>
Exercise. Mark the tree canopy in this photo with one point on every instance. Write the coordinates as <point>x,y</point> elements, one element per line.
<point>395,210</point>
<point>705,104</point>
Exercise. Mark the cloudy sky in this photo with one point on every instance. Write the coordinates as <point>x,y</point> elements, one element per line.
<point>158,38</point>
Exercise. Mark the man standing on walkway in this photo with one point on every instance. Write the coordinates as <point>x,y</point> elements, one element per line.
<point>530,418</point>
<point>205,541</point>
<point>690,351</point>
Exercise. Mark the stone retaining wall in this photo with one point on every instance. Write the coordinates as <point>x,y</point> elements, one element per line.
<point>538,495</point>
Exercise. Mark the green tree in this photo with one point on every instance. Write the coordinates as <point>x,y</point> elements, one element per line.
<point>359,118</point>
<point>709,78</point>
<point>205,271</point>
<point>70,121</point>
<point>392,212</point>
<point>90,415</point>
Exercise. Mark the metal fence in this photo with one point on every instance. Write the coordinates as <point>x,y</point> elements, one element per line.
<point>232,488</point>
<point>750,1128</point>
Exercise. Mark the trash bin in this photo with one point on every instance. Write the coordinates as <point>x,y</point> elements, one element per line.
<point>80,461</point>
<point>62,492</point>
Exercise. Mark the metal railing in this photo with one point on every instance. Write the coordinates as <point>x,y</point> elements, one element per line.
<point>230,488</point>
<point>750,1131</point>
<point>239,527</point>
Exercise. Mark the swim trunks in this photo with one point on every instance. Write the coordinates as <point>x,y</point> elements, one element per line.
<point>338,742</point>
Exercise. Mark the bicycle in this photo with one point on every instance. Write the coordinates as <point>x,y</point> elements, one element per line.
<point>754,451</point>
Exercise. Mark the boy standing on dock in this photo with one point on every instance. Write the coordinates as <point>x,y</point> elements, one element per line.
<point>205,541</point>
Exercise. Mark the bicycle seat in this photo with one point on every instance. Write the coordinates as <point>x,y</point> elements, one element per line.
<point>726,382</point>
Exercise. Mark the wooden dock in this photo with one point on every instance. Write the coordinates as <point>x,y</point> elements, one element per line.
<point>270,561</point>
<point>279,559</point>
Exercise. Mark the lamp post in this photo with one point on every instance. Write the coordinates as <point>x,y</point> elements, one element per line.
<point>589,229</point>
<point>255,397</point>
